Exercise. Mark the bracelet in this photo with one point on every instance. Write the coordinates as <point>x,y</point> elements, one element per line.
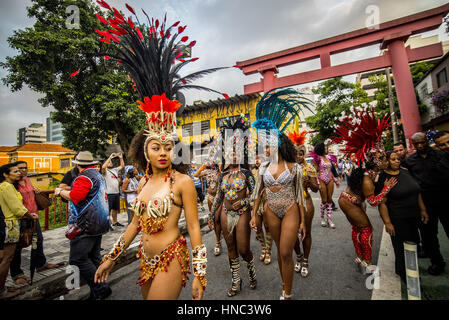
<point>199,262</point>
<point>117,251</point>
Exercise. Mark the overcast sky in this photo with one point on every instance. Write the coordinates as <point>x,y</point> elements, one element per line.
<point>226,31</point>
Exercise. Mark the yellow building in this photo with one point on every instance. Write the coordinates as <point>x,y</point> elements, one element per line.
<point>40,157</point>
<point>201,121</point>
<point>46,180</point>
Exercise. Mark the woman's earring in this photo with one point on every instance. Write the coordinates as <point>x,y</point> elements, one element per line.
<point>148,167</point>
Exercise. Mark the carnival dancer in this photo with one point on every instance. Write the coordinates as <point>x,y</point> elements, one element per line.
<point>151,55</point>
<point>309,180</point>
<point>361,133</point>
<point>280,178</point>
<point>211,171</point>
<point>323,162</point>
<point>235,186</point>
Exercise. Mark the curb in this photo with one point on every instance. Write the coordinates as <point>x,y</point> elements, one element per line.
<point>54,286</point>
<point>390,284</point>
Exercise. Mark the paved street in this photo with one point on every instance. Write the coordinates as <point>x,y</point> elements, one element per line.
<point>332,271</point>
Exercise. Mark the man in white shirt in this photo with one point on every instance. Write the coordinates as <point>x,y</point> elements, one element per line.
<point>111,176</point>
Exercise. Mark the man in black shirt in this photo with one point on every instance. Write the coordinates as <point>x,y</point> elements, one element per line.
<point>401,150</point>
<point>427,166</point>
<point>68,178</point>
<point>441,139</point>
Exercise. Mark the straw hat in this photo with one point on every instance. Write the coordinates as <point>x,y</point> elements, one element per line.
<point>84,158</point>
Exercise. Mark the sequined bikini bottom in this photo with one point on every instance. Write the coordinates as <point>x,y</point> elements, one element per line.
<point>149,267</point>
<point>279,202</point>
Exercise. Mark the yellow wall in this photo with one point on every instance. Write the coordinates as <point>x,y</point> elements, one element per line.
<point>43,181</point>
<point>213,113</point>
<point>41,161</point>
<point>4,158</point>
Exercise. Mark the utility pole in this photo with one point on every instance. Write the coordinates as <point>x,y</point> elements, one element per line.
<point>392,112</point>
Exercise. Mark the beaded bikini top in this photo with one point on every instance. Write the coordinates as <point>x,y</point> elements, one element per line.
<point>284,179</point>
<point>237,185</point>
<point>157,210</point>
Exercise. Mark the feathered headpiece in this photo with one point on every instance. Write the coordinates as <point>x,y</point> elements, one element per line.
<point>153,55</point>
<point>361,133</point>
<point>272,111</point>
<point>297,137</point>
<point>238,141</point>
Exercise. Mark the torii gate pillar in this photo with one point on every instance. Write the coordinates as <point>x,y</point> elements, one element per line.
<point>405,89</point>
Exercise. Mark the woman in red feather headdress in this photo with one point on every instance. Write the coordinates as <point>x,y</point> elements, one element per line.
<point>309,180</point>
<point>361,134</point>
<point>152,56</point>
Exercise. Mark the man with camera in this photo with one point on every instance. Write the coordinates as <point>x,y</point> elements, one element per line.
<point>88,221</point>
<point>111,176</point>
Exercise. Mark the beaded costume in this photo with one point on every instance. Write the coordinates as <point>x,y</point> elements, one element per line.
<point>153,55</point>
<point>361,134</point>
<point>236,181</point>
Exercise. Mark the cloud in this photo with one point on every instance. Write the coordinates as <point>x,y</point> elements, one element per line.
<point>226,32</point>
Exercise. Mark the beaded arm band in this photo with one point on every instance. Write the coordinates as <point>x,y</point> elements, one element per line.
<point>199,262</point>
<point>116,252</point>
<point>375,200</point>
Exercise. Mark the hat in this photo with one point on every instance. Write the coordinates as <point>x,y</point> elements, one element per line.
<point>84,158</point>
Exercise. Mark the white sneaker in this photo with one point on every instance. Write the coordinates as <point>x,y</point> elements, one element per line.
<point>323,222</point>
<point>331,224</point>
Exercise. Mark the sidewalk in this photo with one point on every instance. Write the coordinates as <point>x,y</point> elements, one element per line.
<point>391,287</point>
<point>52,283</point>
<point>434,287</point>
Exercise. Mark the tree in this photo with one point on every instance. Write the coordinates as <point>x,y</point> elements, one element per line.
<point>334,97</point>
<point>93,97</point>
<point>379,81</point>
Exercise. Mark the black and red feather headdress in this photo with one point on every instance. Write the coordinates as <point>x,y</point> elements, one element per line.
<point>361,134</point>
<point>153,55</point>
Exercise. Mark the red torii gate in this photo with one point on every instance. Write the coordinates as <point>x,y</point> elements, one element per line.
<point>390,35</point>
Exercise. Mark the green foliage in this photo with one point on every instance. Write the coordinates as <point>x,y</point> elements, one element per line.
<point>418,70</point>
<point>57,215</point>
<point>92,106</point>
<point>334,97</point>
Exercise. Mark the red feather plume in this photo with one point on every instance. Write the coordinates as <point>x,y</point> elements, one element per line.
<point>102,20</point>
<point>298,138</point>
<point>360,132</point>
<point>130,8</point>
<point>75,73</point>
<point>154,104</point>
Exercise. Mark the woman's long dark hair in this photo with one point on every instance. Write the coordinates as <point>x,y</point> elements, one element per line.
<point>136,154</point>
<point>287,150</point>
<point>6,169</point>
<point>320,149</point>
<point>355,180</point>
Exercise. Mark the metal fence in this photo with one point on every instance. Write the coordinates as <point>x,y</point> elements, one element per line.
<point>57,214</point>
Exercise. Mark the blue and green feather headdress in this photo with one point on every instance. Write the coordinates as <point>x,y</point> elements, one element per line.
<point>275,107</point>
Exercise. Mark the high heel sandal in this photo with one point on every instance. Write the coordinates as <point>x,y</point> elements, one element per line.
<point>305,267</point>
<point>267,259</point>
<point>269,242</point>
<point>252,274</point>
<point>262,254</point>
<point>298,264</point>
<point>285,296</point>
<point>367,268</point>
<point>235,274</point>
<point>235,288</point>
<point>217,249</point>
